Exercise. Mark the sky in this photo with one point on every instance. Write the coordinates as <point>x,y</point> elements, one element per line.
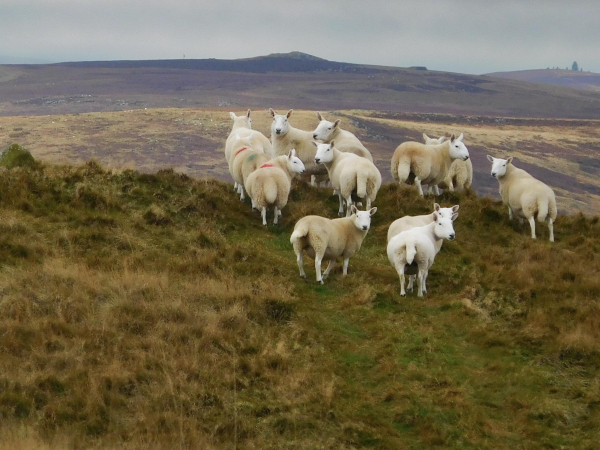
<point>465,36</point>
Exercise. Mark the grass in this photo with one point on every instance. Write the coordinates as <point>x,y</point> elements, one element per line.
<point>155,311</point>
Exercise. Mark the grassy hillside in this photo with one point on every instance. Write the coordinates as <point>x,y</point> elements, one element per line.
<point>154,311</point>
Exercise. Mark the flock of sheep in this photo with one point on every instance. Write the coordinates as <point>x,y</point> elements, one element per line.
<point>263,169</point>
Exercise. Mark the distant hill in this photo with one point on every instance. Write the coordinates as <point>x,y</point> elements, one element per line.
<point>289,80</point>
<point>557,77</point>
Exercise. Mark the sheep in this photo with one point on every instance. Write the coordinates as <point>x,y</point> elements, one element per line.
<point>349,173</point>
<point>408,222</point>
<point>419,245</point>
<point>426,164</point>
<point>284,137</point>
<point>270,184</point>
<point>242,128</point>
<point>525,196</point>
<point>245,160</point>
<point>346,141</point>
<point>460,174</point>
<point>327,239</point>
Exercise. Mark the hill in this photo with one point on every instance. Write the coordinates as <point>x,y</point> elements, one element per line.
<point>153,310</point>
<point>281,81</point>
<point>557,77</point>
<point>562,153</point>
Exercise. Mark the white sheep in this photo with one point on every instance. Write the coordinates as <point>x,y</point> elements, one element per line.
<point>327,239</point>
<point>460,174</point>
<point>419,245</point>
<point>285,137</point>
<point>270,184</point>
<point>525,196</point>
<point>426,164</point>
<point>245,160</point>
<point>345,141</point>
<point>242,128</point>
<point>349,173</point>
<point>408,222</point>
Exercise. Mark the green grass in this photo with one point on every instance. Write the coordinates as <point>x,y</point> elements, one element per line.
<point>156,311</point>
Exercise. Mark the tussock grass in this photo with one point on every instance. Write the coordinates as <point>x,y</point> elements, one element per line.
<point>155,311</point>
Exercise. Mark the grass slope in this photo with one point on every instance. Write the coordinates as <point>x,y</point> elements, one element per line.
<point>154,311</point>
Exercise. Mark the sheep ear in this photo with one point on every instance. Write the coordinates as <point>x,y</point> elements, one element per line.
<point>232,115</point>
<point>452,138</point>
<point>436,207</point>
<point>509,160</point>
<point>490,158</point>
<point>319,116</point>
<point>442,139</point>
<point>331,144</point>
<point>316,144</point>
<point>248,114</point>
<point>425,137</point>
<point>353,209</point>
<point>289,113</point>
<point>455,208</point>
<point>290,154</point>
<point>294,152</point>
<point>460,138</point>
<point>372,211</point>
<point>454,216</point>
<point>435,216</point>
<point>271,112</point>
<point>336,123</point>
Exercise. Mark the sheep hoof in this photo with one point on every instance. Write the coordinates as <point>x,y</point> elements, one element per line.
<point>341,213</point>
<point>403,295</point>
<point>321,282</point>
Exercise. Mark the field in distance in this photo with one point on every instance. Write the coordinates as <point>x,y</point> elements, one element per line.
<point>562,153</point>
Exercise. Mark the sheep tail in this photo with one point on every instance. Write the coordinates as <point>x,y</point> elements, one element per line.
<point>270,191</point>
<point>300,231</point>
<point>401,169</point>
<point>411,251</point>
<point>542,209</point>
<point>361,184</point>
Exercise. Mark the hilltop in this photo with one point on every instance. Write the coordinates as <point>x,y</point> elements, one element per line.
<point>557,77</point>
<point>154,310</point>
<point>293,80</point>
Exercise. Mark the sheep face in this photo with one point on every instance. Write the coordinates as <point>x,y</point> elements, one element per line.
<point>295,164</point>
<point>445,212</point>
<point>324,153</point>
<point>458,150</point>
<point>325,129</point>
<point>280,125</point>
<point>362,219</point>
<point>499,166</point>
<point>444,227</point>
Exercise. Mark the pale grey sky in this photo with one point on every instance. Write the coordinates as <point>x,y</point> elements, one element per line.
<point>465,36</point>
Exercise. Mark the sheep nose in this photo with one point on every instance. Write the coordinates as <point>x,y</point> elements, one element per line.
<point>493,174</point>
<point>317,160</point>
<point>315,136</point>
<point>452,237</point>
<point>365,227</point>
<point>465,158</point>
<point>278,130</point>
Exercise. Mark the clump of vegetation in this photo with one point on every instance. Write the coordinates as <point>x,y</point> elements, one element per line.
<point>16,156</point>
<point>138,308</point>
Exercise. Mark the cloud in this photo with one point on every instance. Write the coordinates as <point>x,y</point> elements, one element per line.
<point>461,36</point>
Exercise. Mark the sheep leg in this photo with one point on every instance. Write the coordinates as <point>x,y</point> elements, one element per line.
<point>348,205</point>
<point>329,267</point>
<point>341,210</point>
<point>450,186</point>
<point>318,260</point>
<point>275,215</point>
<point>300,264</point>
<point>532,225</point>
<point>425,282</point>
<point>419,187</point>
<point>510,213</point>
<point>313,180</point>
<point>235,186</point>
<point>436,190</point>
<point>253,203</point>
<point>400,270</point>
<point>264,216</point>
<point>368,203</point>
<point>420,278</point>
<point>411,280</point>
<point>551,228</point>
<point>241,192</point>
<point>346,261</point>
